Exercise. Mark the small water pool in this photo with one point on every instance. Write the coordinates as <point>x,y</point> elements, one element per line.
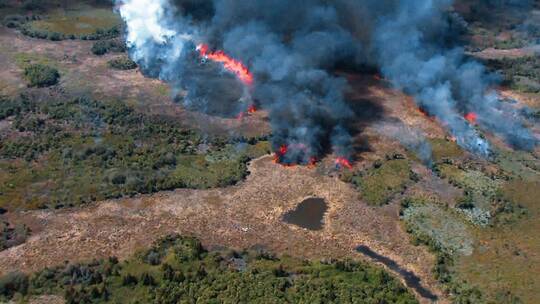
<point>308,214</point>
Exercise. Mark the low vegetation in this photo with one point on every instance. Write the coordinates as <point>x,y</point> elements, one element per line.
<point>521,74</point>
<point>12,235</point>
<point>443,233</point>
<point>482,203</point>
<point>103,47</point>
<point>62,151</point>
<point>383,180</point>
<point>444,149</point>
<point>39,75</point>
<point>122,63</point>
<point>502,263</point>
<point>38,19</point>
<point>180,270</point>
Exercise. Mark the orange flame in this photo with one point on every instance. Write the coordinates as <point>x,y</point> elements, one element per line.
<point>471,117</point>
<point>343,162</point>
<point>252,109</point>
<point>234,66</point>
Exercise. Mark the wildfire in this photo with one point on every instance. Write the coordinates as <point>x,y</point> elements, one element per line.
<point>234,66</point>
<point>471,117</point>
<point>423,112</point>
<point>284,149</point>
<point>343,162</point>
<point>252,109</point>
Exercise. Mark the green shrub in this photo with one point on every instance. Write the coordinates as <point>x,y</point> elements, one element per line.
<point>39,75</point>
<point>12,283</point>
<point>122,63</point>
<point>191,274</point>
<point>383,181</point>
<point>102,47</point>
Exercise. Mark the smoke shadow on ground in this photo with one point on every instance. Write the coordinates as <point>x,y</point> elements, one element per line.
<point>411,280</point>
<point>366,108</point>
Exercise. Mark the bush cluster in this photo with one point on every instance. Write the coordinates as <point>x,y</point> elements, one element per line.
<point>17,21</point>
<point>93,150</point>
<point>443,268</point>
<point>12,236</point>
<point>122,63</point>
<point>103,47</point>
<point>188,273</point>
<point>521,74</point>
<point>39,75</point>
<point>28,30</point>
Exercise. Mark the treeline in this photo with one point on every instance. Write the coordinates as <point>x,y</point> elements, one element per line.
<point>87,150</point>
<point>179,270</point>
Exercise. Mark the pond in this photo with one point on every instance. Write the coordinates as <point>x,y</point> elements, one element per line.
<point>308,214</point>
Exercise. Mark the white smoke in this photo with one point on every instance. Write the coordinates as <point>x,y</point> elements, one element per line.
<point>151,25</point>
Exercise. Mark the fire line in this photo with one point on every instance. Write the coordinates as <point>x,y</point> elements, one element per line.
<point>232,65</point>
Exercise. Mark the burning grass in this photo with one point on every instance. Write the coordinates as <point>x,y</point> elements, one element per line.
<point>230,64</point>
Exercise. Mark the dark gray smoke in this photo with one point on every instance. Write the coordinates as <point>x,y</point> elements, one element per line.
<point>293,48</point>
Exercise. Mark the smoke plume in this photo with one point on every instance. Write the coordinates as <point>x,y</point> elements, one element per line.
<point>292,51</point>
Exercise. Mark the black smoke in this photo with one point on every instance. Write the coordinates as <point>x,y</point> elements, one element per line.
<point>294,48</point>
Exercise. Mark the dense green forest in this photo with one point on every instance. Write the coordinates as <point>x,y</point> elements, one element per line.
<point>179,270</point>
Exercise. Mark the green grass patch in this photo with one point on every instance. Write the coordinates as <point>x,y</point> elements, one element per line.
<point>445,149</point>
<point>482,203</point>
<point>80,21</point>
<point>429,221</point>
<point>379,184</point>
<point>440,229</point>
<point>179,270</point>
<point>24,60</point>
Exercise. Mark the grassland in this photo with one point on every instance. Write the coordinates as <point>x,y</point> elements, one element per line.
<point>506,257</point>
<point>74,20</point>
<point>380,183</point>
<point>498,263</point>
<point>77,21</point>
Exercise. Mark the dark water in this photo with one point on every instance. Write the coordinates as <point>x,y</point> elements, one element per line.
<point>411,280</point>
<point>308,214</point>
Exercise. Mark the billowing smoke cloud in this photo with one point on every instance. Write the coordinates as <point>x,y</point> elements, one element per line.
<point>292,51</point>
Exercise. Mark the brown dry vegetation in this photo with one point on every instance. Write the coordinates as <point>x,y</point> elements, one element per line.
<point>241,216</point>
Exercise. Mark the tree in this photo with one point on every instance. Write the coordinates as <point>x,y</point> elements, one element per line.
<point>39,75</point>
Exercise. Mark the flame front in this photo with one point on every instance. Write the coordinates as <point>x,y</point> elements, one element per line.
<point>343,162</point>
<point>471,117</point>
<point>234,66</point>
